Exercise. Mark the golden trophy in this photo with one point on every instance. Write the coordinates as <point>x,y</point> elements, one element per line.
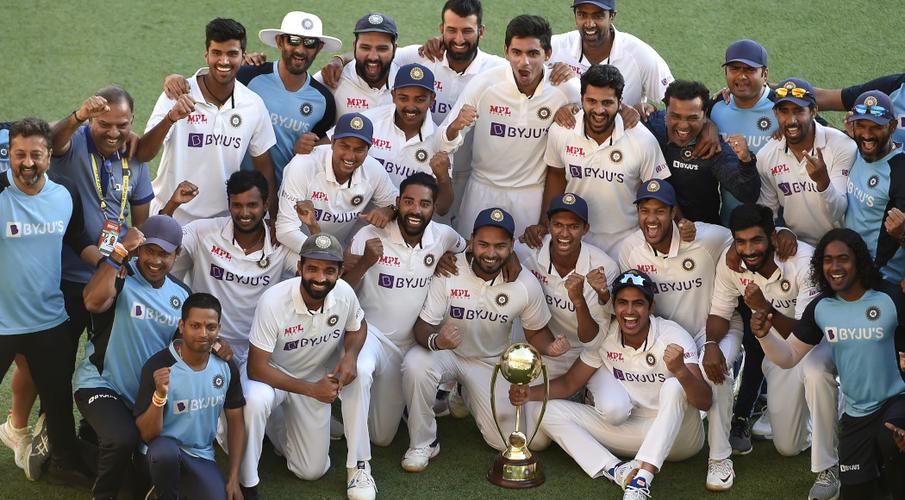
<point>516,467</point>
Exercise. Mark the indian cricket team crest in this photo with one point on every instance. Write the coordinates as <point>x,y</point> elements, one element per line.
<point>497,215</point>
<point>416,73</point>
<point>357,123</point>
<point>357,200</point>
<point>264,262</point>
<point>789,85</point>
<point>650,359</point>
<point>686,154</point>
<point>764,123</point>
<point>333,320</point>
<point>429,260</point>
<point>785,285</point>
<point>235,120</point>
<point>874,180</point>
<point>421,155</point>
<point>502,299</point>
<point>543,113</point>
<point>305,109</point>
<point>218,381</point>
<point>322,242</point>
<point>307,23</point>
<point>870,101</point>
<point>375,19</point>
<point>568,199</point>
<point>616,156</point>
<point>653,187</point>
<point>175,302</point>
<point>873,313</point>
<point>688,264</point>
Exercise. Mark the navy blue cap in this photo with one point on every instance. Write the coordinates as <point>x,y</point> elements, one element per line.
<point>810,98</point>
<point>748,52</point>
<point>603,4</point>
<point>569,202</point>
<point>354,125</point>
<point>658,190</point>
<point>868,107</point>
<point>374,22</point>
<point>495,217</point>
<point>636,279</point>
<point>322,246</point>
<point>163,231</point>
<point>414,75</point>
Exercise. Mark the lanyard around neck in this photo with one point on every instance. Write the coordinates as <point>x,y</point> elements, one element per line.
<point>100,191</point>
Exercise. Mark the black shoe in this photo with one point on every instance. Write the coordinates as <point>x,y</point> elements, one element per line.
<point>249,492</point>
<point>61,473</point>
<point>740,436</point>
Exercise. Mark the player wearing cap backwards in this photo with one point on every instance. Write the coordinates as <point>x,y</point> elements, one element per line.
<point>876,184</point>
<point>600,160</point>
<point>806,171</point>
<point>476,309</point>
<point>135,308</point>
<point>597,41</point>
<point>859,315</point>
<point>653,396</point>
<point>206,132</point>
<point>508,111</point>
<point>391,269</point>
<point>574,276</point>
<point>182,392</point>
<point>301,108</point>
<point>844,99</point>
<point>330,189</point>
<point>305,342</point>
<point>802,401</point>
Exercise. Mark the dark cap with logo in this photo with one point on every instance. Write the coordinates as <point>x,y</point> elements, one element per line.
<point>414,75</point>
<point>636,279</point>
<point>569,202</point>
<point>354,125</point>
<point>603,4</point>
<point>495,217</point>
<point>873,105</point>
<point>796,91</point>
<point>375,22</point>
<point>747,52</point>
<point>163,231</point>
<point>322,246</point>
<point>656,189</point>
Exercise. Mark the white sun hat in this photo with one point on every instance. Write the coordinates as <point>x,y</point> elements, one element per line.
<point>301,24</point>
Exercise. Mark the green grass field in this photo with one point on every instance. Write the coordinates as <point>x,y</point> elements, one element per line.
<point>55,54</point>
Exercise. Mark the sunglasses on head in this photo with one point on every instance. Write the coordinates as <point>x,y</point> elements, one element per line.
<point>875,110</point>
<point>634,279</point>
<point>295,41</point>
<point>797,92</point>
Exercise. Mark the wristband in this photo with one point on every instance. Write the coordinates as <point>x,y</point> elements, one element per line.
<point>120,250</point>
<point>711,342</point>
<point>158,401</point>
<point>341,60</point>
<point>112,264</point>
<point>432,342</point>
<point>75,114</point>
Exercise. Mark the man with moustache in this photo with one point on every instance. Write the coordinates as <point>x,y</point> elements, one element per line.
<point>802,401</point>
<point>391,269</point>
<point>206,132</point>
<point>305,340</point>
<point>876,183</point>
<point>805,172</point>
<point>891,85</point>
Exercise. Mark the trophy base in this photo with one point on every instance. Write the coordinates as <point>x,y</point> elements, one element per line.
<point>515,473</point>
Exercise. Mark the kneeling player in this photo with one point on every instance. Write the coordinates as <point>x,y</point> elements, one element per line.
<point>655,367</point>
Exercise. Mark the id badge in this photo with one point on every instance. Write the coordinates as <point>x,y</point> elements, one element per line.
<point>109,237</point>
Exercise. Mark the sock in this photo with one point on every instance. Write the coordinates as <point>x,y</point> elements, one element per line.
<point>647,475</point>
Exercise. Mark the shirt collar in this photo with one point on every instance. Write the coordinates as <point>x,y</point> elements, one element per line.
<point>198,96</point>
<point>674,243</point>
<point>618,130</point>
<point>331,176</point>
<point>394,233</point>
<point>228,234</point>
<point>777,274</point>
<point>582,265</point>
<point>540,86</point>
<point>299,303</point>
<point>819,139</point>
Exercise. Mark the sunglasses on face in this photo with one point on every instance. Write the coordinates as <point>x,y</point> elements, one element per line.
<point>875,110</point>
<point>797,92</point>
<point>295,41</point>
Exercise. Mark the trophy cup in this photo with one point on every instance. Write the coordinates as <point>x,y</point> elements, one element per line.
<point>516,467</point>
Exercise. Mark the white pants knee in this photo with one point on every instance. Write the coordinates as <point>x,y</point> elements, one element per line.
<point>380,368</point>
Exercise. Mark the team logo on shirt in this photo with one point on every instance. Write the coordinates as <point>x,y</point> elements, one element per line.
<point>180,406</point>
<point>12,230</point>
<point>305,109</point>
<point>502,299</point>
<point>543,113</point>
<point>650,359</point>
<point>421,154</point>
<point>4,152</point>
<point>307,23</point>
<point>785,285</point>
<point>830,334</point>
<point>375,19</point>
<point>615,156</point>
<point>18,229</point>
<point>688,264</point>
<point>873,313</point>
<point>218,381</point>
<point>332,320</point>
<point>764,123</point>
<point>870,101</point>
<point>429,260</point>
<point>175,302</point>
<point>235,120</point>
<point>874,180</point>
<point>357,199</point>
<point>686,153</point>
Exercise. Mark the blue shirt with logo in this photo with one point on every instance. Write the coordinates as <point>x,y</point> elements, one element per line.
<point>33,229</point>
<point>873,189</point>
<point>865,336</point>
<point>891,85</point>
<point>195,399</point>
<point>756,124</point>
<point>309,109</point>
<point>141,321</point>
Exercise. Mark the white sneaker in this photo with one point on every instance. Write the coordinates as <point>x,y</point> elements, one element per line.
<point>337,431</point>
<point>636,489</point>
<point>361,485</point>
<point>457,406</point>
<point>622,473</point>
<point>762,429</point>
<point>720,475</point>
<point>16,439</point>
<point>416,459</point>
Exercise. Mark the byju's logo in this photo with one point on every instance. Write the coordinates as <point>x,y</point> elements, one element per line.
<point>216,272</point>
<point>196,140</point>
<point>180,406</point>
<point>575,171</point>
<point>385,280</point>
<point>497,129</point>
<point>456,312</point>
<point>12,230</point>
<point>138,311</point>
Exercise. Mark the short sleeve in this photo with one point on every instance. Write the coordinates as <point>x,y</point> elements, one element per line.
<point>234,396</point>
<point>146,386</point>
<point>551,154</point>
<point>807,329</point>
<point>264,329</point>
<point>143,192</point>
<point>434,309</point>
<point>186,256</point>
<point>263,137</point>
<point>356,314</point>
<point>536,314</point>
<point>591,356</point>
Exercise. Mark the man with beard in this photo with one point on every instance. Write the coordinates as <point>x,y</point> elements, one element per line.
<point>805,172</point>
<point>135,308</point>
<point>802,401</point>
<point>844,99</point>
<point>597,41</point>
<point>330,189</point>
<point>391,270</point>
<point>480,303</point>
<point>508,110</point>
<point>698,181</point>
<point>366,83</point>
<point>606,162</point>
<point>860,317</point>
<point>305,340</point>
<point>876,183</point>
<point>206,132</point>
<point>39,216</point>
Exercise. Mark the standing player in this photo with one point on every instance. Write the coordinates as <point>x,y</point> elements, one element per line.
<point>305,341</point>
<point>806,171</point>
<point>508,110</point>
<point>802,401</point>
<point>180,432</point>
<point>206,133</point>
<point>476,308</point>
<point>656,376</point>
<point>597,41</point>
<point>844,99</point>
<point>859,315</point>
<point>330,189</point>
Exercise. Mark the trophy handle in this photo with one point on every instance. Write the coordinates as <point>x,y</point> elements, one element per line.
<point>543,408</point>
<point>496,371</point>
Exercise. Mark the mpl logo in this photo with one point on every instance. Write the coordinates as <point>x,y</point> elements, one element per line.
<point>356,102</point>
<point>196,119</point>
<point>745,281</point>
<point>779,169</point>
<point>460,293</point>
<point>13,230</point>
<point>319,195</point>
<point>614,356</point>
<point>219,252</point>
<point>292,330</point>
<point>385,280</point>
<point>381,144</point>
<point>438,85</point>
<point>646,268</point>
<point>575,151</point>
<point>500,110</point>
<point>389,260</point>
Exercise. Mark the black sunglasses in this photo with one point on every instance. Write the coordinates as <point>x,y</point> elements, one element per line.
<point>295,41</point>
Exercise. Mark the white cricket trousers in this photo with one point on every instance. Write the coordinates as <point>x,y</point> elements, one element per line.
<point>523,203</point>
<point>380,374</point>
<point>719,417</point>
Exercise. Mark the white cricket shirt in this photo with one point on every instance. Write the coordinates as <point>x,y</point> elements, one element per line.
<point>353,94</point>
<point>402,157</point>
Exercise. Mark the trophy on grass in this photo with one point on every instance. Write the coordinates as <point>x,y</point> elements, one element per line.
<point>516,467</point>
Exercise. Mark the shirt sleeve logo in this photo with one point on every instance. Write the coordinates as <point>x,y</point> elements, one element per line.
<point>235,120</point>
<point>873,313</point>
<point>218,381</point>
